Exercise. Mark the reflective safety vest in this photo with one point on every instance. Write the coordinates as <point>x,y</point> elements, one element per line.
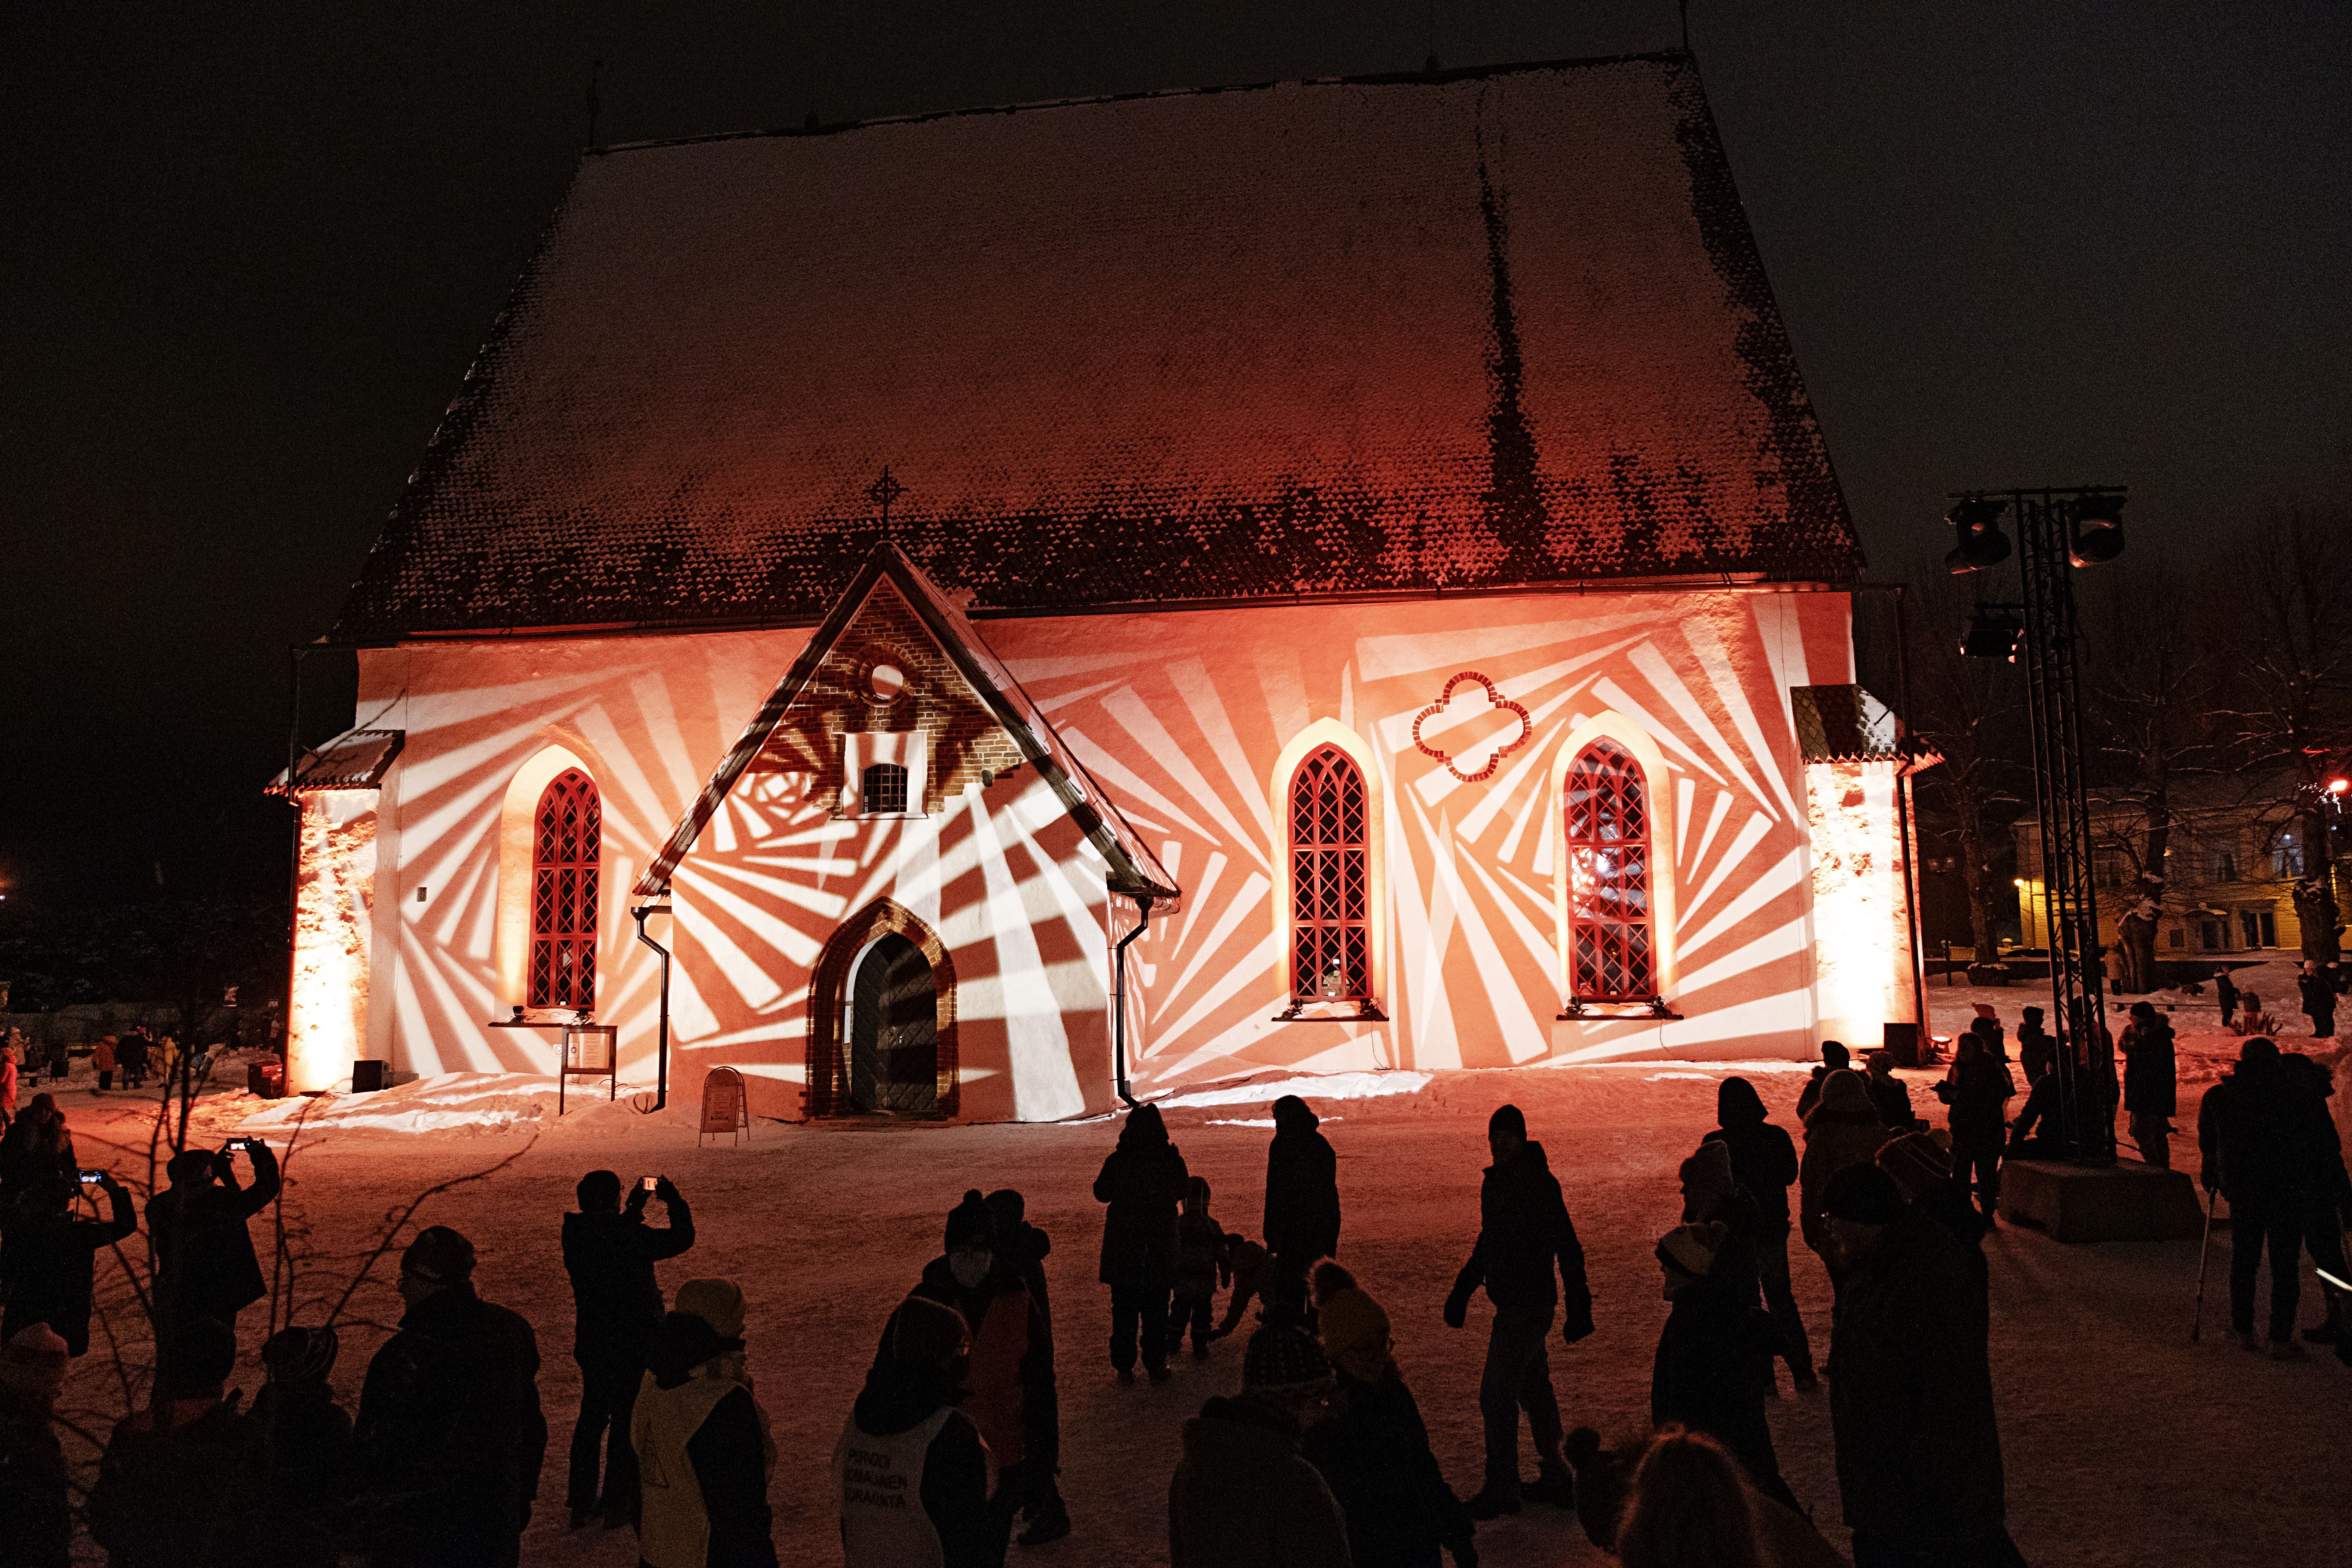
<point>880,1480</point>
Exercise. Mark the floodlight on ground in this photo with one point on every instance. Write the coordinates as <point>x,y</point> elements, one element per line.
<point>2095,530</point>
<point>1981,543</point>
<point>1991,633</point>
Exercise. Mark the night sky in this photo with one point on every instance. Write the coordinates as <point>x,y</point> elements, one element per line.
<point>250,250</point>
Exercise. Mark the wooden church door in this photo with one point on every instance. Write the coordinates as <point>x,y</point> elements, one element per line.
<point>894,1057</point>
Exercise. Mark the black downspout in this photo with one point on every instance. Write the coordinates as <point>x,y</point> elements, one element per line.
<point>661,1061</point>
<point>294,869</point>
<point>1119,999</point>
<point>1908,824</point>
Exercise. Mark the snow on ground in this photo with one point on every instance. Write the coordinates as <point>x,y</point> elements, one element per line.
<point>2124,1445</point>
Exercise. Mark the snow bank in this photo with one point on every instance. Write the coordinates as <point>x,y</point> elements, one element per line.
<point>481,1101</point>
<point>1333,1086</point>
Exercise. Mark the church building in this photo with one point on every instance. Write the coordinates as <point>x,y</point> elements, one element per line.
<point>1033,606</point>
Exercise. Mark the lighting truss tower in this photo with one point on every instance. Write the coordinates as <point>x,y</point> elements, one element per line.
<point>2058,530</point>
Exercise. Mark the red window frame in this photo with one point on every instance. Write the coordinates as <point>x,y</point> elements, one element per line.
<point>1612,943</point>
<point>566,852</point>
<point>1331,874</point>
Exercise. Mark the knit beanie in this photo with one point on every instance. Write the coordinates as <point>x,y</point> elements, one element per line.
<point>1355,1333</point>
<point>1708,1181</point>
<point>439,1253</point>
<point>718,1302</point>
<point>970,1224</point>
<point>1916,1163</point>
<point>1863,1194</point>
<point>300,1354</point>
<point>1283,1356</point>
<point>1692,1247</point>
<point>1845,1090</point>
<point>34,1363</point>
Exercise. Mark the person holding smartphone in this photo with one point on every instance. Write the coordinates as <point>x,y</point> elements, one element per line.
<point>610,1252</point>
<point>48,1255</point>
<point>205,1262</point>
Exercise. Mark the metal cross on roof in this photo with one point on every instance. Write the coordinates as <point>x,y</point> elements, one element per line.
<point>882,492</point>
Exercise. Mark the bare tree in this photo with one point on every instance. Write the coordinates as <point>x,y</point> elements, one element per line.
<point>2151,693</point>
<point>2289,690</point>
<point>1966,708</point>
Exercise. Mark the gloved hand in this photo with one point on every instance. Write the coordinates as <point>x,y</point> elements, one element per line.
<point>1578,1325</point>
<point>663,1190</point>
<point>1457,1309</point>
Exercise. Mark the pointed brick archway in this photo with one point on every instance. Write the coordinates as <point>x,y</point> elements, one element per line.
<point>829,1054</point>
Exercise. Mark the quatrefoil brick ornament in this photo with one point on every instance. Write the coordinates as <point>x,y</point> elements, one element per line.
<point>1495,700</point>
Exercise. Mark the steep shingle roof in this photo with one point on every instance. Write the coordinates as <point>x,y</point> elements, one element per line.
<point>1377,336</point>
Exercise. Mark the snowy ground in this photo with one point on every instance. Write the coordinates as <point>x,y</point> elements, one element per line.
<point>2124,1444</point>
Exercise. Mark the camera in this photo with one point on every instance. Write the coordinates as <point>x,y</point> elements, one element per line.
<point>648,1183</point>
<point>91,1178</point>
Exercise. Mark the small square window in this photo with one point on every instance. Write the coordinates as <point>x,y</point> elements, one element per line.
<point>884,787</point>
<point>2177,938</point>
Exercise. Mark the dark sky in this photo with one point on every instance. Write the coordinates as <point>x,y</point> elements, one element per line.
<point>250,250</point>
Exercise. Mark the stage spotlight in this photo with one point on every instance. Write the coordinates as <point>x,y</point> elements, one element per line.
<point>2095,530</point>
<point>1991,633</point>
<point>1981,543</point>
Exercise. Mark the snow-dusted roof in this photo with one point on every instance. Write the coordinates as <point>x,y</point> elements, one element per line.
<point>1376,336</point>
<point>356,759</point>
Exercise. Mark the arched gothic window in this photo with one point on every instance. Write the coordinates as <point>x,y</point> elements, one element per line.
<point>563,862</point>
<point>1613,953</point>
<point>1330,879</point>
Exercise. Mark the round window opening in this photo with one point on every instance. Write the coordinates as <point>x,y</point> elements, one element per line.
<point>885,681</point>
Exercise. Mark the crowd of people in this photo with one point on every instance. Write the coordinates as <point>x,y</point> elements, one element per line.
<point>1320,1458</point>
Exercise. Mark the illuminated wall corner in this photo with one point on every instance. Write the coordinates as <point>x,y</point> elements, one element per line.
<point>1856,759</point>
<point>336,789</point>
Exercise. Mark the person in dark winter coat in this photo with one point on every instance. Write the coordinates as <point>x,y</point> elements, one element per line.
<point>133,1051</point>
<point>1523,1231</point>
<point>1889,1095</point>
<point>1712,1193</point>
<point>1252,1269</point>
<point>2035,1135</point>
<point>1010,1360</point>
<point>1975,1092</point>
<point>2149,1080</point>
<point>306,1448</point>
<point>2317,988</point>
<point>1835,1058</point>
<point>204,1264</point>
<point>2330,1204</point>
<point>37,1149</point>
<point>1372,1449</point>
<point>1302,1201</point>
<point>1844,1130</point>
<point>1024,1248</point>
<point>37,1531</point>
<point>1911,1409</point>
<point>701,1440</point>
<point>450,1437</point>
<point>1143,1181</point>
<point>46,1257</point>
<point>906,1442</point>
<point>180,1483</point>
<point>2037,1048</point>
<point>2225,991</point>
<point>1922,1173</point>
<point>1203,1265</point>
<point>1715,1356</point>
<point>2248,1128</point>
<point>1242,1495</point>
<point>609,1252</point>
<point>1764,1162</point>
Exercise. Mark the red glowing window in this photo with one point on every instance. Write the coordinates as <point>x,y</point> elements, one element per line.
<point>1330,879</point>
<point>1609,879</point>
<point>563,860</point>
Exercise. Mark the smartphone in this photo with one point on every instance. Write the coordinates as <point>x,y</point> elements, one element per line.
<point>648,1183</point>
<point>91,1178</point>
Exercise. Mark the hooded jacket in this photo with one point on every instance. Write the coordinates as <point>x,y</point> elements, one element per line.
<point>1302,1183</point>
<point>1523,1228</point>
<point>615,1301</point>
<point>1842,1130</point>
<point>450,1436</point>
<point>1143,1182</point>
<point>1242,1496</point>
<point>1373,1453</point>
<point>1763,1159</point>
<point>906,1439</point>
<point>1713,1361</point>
<point>703,1453</point>
<point>1918,1454</point>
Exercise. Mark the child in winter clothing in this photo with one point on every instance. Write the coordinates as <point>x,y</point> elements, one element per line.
<point>1372,1450</point>
<point>1203,1263</point>
<point>1242,1496</point>
<point>911,1472</point>
<point>1250,1267</point>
